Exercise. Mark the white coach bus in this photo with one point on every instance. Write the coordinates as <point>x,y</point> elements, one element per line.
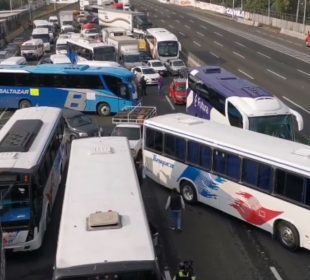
<point>260,179</point>
<point>104,232</point>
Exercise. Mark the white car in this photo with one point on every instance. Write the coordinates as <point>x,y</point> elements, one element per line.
<point>150,75</point>
<point>158,66</point>
<point>92,33</point>
<point>175,66</point>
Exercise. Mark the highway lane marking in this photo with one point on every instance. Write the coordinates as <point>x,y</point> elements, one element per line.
<point>182,34</point>
<point>264,55</point>
<point>177,20</point>
<point>295,104</point>
<point>2,114</point>
<point>199,33</point>
<point>218,34</point>
<point>212,53</point>
<point>239,44</point>
<point>196,43</point>
<point>238,54</point>
<point>217,43</point>
<point>306,73</point>
<point>181,16</point>
<point>162,20</point>
<point>186,26</point>
<point>191,21</point>
<point>170,103</point>
<point>170,26</point>
<point>246,74</point>
<point>203,27</point>
<point>275,273</point>
<point>276,74</point>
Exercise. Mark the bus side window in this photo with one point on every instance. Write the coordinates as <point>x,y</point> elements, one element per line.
<point>154,140</point>
<point>234,116</point>
<point>115,85</point>
<point>307,192</point>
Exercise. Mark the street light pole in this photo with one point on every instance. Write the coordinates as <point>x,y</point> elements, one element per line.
<point>304,18</point>
<point>268,11</point>
<point>11,5</point>
<point>297,11</point>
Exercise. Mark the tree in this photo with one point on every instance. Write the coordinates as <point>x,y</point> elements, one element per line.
<point>282,6</point>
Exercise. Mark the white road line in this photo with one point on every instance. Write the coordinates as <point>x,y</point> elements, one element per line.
<point>218,34</point>
<point>191,21</point>
<point>217,43</point>
<point>170,26</point>
<point>196,43</point>
<point>182,34</point>
<point>295,104</point>
<point>276,74</point>
<point>238,54</point>
<point>199,33</point>
<point>203,27</point>
<point>240,44</point>
<point>181,16</point>
<point>167,274</point>
<point>306,73</point>
<point>212,53</point>
<point>246,74</point>
<point>2,114</point>
<point>186,26</point>
<point>264,55</point>
<point>177,20</point>
<point>162,20</point>
<point>170,103</point>
<point>275,273</point>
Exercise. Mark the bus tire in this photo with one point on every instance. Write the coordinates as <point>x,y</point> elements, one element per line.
<point>188,192</point>
<point>24,104</point>
<point>103,109</point>
<point>288,235</point>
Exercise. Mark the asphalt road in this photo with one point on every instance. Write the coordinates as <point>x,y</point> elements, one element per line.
<point>220,246</point>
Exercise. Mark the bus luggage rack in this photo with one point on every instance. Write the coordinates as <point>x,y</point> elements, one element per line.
<point>135,114</point>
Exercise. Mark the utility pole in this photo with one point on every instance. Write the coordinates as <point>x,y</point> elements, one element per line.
<point>11,5</point>
<point>304,18</point>
<point>268,11</point>
<point>297,11</point>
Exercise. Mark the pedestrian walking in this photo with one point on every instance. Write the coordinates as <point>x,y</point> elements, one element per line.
<point>175,204</point>
<point>160,86</point>
<point>143,86</point>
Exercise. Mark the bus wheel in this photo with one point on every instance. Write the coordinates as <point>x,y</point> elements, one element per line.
<point>103,109</point>
<point>24,104</point>
<point>188,192</point>
<point>288,235</point>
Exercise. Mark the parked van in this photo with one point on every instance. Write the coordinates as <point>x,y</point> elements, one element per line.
<point>32,49</point>
<point>14,60</point>
<point>43,34</point>
<point>61,46</point>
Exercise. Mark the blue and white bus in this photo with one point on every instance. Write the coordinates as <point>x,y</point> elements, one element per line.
<point>33,157</point>
<point>218,95</point>
<point>104,90</point>
<point>262,180</point>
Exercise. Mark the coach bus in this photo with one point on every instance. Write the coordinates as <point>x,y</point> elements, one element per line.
<point>104,232</point>
<point>162,44</point>
<point>33,156</point>
<point>260,179</point>
<point>218,95</point>
<point>104,90</point>
<point>85,49</point>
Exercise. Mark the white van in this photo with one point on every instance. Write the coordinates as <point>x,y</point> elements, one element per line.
<point>14,60</point>
<point>42,23</point>
<point>61,46</point>
<point>43,34</point>
<point>32,49</point>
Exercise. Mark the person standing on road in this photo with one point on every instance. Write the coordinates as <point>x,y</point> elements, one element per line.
<point>143,86</point>
<point>160,86</point>
<point>175,204</point>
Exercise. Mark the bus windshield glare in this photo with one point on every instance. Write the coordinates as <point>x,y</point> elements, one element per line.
<point>279,126</point>
<point>168,48</point>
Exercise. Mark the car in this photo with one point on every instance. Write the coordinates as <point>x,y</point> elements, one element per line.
<point>158,66</point>
<point>78,125</point>
<point>178,91</point>
<point>175,66</point>
<point>14,60</point>
<point>92,33</point>
<point>145,57</point>
<point>150,75</point>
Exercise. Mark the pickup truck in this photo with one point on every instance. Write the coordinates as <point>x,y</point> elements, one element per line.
<point>129,123</point>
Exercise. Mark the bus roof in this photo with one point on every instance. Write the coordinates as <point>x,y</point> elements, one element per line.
<point>67,69</point>
<point>88,44</point>
<point>109,182</point>
<point>253,99</point>
<point>274,150</point>
<point>161,34</point>
<point>12,154</point>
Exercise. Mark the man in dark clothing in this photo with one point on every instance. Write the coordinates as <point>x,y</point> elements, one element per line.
<point>175,204</point>
<point>143,86</point>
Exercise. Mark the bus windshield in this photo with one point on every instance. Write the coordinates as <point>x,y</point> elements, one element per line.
<point>45,37</point>
<point>168,48</point>
<point>105,53</point>
<point>279,126</point>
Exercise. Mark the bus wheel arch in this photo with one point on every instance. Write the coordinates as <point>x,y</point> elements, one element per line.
<point>287,234</point>
<point>103,109</point>
<point>24,103</point>
<point>188,191</point>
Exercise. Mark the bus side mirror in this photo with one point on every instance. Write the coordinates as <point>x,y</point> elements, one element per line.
<point>299,119</point>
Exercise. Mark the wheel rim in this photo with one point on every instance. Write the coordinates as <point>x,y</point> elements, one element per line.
<point>188,193</point>
<point>105,110</point>
<point>287,236</point>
